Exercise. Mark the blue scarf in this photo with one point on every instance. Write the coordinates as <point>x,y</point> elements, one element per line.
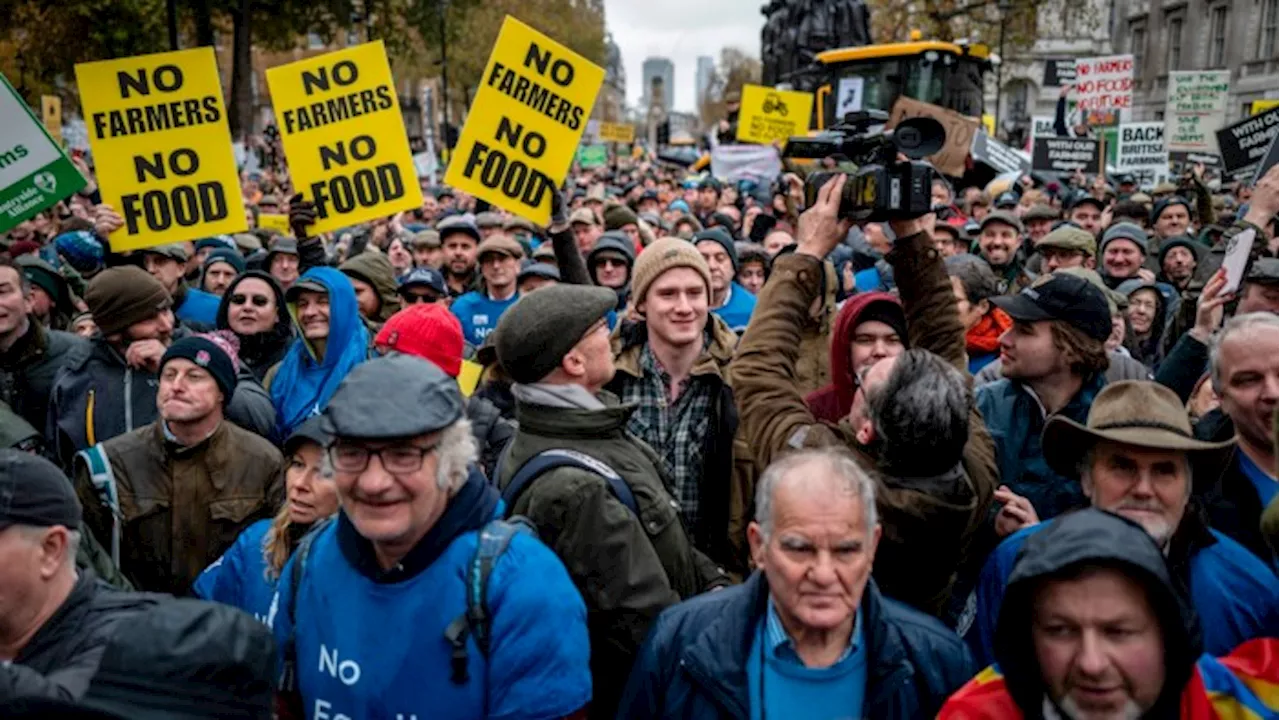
<point>302,387</point>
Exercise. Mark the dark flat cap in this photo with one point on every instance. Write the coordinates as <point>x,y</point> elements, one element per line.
<point>33,491</point>
<point>396,396</point>
<point>537,332</point>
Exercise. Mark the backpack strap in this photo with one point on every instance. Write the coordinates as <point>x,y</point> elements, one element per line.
<point>104,485</point>
<point>492,542</point>
<point>549,460</point>
<point>288,687</point>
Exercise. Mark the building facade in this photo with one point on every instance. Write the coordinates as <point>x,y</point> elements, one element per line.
<point>702,80</point>
<point>660,69</point>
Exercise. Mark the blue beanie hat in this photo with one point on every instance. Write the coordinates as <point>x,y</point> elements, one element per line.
<point>81,249</point>
<point>230,257</point>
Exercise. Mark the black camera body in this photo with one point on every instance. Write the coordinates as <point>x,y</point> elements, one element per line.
<point>880,187</point>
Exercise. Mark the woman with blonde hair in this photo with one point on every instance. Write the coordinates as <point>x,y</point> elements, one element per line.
<point>246,575</point>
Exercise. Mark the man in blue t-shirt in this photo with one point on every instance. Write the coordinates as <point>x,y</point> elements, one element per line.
<point>499,258</point>
<point>729,300</point>
<point>1134,457</point>
<point>194,308</point>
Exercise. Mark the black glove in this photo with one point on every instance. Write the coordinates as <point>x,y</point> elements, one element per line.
<point>558,218</point>
<point>302,214</point>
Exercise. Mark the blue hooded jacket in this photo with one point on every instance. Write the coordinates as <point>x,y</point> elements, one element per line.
<point>302,387</point>
<point>1233,592</point>
<point>239,577</point>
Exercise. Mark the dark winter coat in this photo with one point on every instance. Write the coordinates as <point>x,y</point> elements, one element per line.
<point>694,663</point>
<point>28,369</point>
<point>259,352</point>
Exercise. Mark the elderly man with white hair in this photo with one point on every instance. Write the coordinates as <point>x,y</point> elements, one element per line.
<point>418,600</point>
<point>809,634</point>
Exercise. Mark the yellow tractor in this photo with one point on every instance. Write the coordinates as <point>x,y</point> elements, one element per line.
<point>873,77</point>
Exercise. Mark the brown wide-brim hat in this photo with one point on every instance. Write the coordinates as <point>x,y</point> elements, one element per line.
<point>1133,412</point>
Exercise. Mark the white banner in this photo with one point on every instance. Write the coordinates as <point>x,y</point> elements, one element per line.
<point>743,162</point>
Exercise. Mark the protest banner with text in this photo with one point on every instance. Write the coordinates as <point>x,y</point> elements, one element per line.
<point>1065,155</point>
<point>525,122</point>
<point>161,146</point>
<point>1104,89</point>
<point>1059,72</point>
<point>344,137</point>
<point>1195,108</point>
<point>997,155</point>
<point>1244,144</point>
<point>34,172</point>
<point>767,114</point>
<point>616,132</point>
<point>1142,154</point>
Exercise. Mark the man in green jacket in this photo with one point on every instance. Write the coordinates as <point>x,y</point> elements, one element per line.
<point>629,563</point>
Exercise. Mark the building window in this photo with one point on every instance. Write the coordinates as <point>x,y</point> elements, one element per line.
<point>1218,37</point>
<point>1138,46</point>
<point>1175,44</point>
<point>1018,101</point>
<point>1267,40</point>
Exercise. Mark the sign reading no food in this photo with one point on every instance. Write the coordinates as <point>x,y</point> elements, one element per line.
<point>1104,89</point>
<point>344,137</point>
<point>769,114</point>
<point>34,172</point>
<point>1065,155</point>
<point>160,142</point>
<point>525,122</point>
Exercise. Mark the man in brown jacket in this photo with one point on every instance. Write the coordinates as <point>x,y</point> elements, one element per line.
<point>934,488</point>
<point>169,498</point>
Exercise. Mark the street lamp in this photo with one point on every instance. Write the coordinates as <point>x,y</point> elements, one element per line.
<point>1004,6</point>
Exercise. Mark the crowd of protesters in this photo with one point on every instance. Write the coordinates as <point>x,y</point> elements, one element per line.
<point>691,450</point>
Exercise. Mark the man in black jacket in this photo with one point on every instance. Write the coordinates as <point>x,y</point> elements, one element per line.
<point>55,623</point>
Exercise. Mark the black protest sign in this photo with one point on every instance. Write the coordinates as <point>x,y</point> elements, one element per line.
<point>1065,155</point>
<point>1244,144</point>
<point>1001,157</point>
<point>1059,72</point>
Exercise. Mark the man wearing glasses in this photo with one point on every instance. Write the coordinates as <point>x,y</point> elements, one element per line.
<point>423,285</point>
<point>380,587</point>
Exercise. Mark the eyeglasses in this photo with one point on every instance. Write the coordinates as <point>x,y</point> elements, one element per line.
<point>394,458</point>
<point>412,298</point>
<point>257,300</point>
<point>612,262</point>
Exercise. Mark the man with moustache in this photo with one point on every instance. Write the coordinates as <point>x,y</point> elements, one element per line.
<point>460,238</point>
<point>1000,243</point>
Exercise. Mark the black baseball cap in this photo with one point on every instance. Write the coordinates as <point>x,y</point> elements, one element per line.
<point>426,277</point>
<point>1083,197</point>
<point>33,491</point>
<point>1068,298</point>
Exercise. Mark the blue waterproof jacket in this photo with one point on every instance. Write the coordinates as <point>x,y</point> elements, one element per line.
<point>1232,591</point>
<point>1016,420</point>
<point>239,577</point>
<point>694,663</point>
<point>199,309</point>
<point>371,643</point>
<point>737,312</point>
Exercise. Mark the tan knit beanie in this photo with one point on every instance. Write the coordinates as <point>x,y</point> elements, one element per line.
<point>664,254</point>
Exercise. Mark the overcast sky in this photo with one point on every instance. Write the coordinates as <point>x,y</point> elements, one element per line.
<point>680,30</point>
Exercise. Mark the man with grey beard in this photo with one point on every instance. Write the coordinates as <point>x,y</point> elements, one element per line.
<point>1134,458</point>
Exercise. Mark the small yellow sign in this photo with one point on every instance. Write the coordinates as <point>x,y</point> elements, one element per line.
<point>160,142</point>
<point>274,221</point>
<point>769,114</point>
<point>989,122</point>
<point>525,123</point>
<point>1261,106</point>
<point>51,114</point>
<point>469,377</point>
<point>617,132</point>
<point>344,136</point>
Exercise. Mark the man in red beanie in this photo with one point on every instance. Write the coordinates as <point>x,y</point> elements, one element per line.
<point>430,331</point>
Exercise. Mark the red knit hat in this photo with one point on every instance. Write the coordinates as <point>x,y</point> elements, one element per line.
<point>427,330</point>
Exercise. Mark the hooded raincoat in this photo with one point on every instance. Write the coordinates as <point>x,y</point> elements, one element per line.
<point>831,403</point>
<point>303,384</point>
<point>261,351</point>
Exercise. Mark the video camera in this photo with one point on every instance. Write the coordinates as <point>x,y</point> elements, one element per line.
<point>881,187</point>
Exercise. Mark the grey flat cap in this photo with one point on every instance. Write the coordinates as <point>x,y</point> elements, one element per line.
<point>393,397</point>
<point>537,332</point>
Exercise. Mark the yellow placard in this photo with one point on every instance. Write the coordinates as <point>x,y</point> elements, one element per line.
<point>344,136</point>
<point>617,132</point>
<point>158,130</point>
<point>274,221</point>
<point>989,122</point>
<point>525,123</point>
<point>469,376</point>
<point>767,114</point>
<point>51,114</point>
<point>1261,106</point>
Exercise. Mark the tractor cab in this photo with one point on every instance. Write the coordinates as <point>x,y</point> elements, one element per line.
<point>873,77</point>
